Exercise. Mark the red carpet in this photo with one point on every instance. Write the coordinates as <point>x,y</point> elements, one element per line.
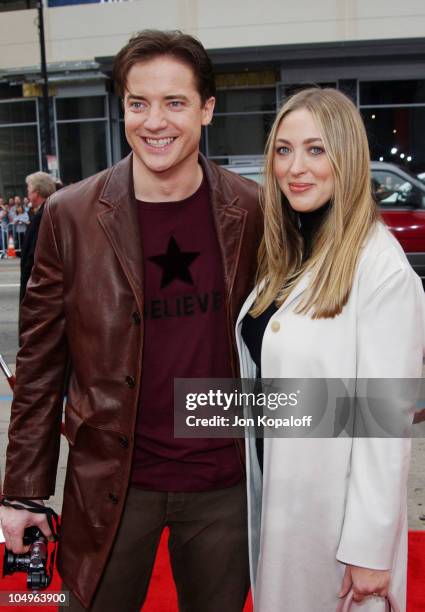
<point>162,596</point>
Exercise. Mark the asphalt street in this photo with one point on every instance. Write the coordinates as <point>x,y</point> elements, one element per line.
<point>9,292</point>
<point>9,301</point>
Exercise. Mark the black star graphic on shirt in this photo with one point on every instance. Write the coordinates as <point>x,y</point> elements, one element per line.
<point>175,264</point>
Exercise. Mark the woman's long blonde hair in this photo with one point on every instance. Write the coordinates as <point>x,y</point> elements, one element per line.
<point>353,212</point>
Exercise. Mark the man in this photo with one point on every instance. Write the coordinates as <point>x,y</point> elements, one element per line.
<point>39,187</point>
<point>140,273</point>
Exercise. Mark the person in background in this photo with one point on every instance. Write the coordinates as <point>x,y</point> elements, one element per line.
<point>20,223</point>
<point>4,222</point>
<point>11,210</point>
<point>335,298</point>
<point>40,186</point>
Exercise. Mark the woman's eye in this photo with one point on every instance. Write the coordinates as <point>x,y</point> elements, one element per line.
<point>316,150</point>
<point>282,150</point>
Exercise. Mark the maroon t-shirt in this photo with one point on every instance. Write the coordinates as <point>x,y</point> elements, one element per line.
<point>185,336</point>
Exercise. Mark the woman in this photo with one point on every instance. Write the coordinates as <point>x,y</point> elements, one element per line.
<point>20,224</point>
<point>335,298</point>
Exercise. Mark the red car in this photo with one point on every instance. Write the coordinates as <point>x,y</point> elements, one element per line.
<point>401,197</point>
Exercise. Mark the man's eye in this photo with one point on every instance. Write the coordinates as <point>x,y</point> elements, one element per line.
<point>136,105</point>
<point>282,150</point>
<point>176,103</point>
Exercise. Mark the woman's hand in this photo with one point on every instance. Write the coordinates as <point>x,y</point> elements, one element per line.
<point>365,582</point>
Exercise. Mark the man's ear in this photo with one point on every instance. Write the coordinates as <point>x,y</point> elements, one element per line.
<point>208,110</point>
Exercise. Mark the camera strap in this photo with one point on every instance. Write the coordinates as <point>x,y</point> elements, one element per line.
<point>52,519</point>
<point>32,506</point>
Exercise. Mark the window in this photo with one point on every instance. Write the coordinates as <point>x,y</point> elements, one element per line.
<point>19,145</point>
<point>242,120</point>
<point>392,92</point>
<point>18,112</point>
<point>238,135</point>
<point>17,5</point>
<point>394,116</point>
<point>82,150</point>
<point>80,108</point>
<point>246,100</point>
<point>394,190</point>
<point>82,135</point>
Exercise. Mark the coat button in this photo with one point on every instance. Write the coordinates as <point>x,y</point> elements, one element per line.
<point>113,498</point>
<point>136,318</point>
<point>275,326</point>
<point>130,382</point>
<point>124,441</point>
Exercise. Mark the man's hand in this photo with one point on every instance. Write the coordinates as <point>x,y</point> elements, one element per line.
<point>365,582</point>
<point>14,522</point>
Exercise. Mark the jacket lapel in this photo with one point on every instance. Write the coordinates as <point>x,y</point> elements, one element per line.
<point>229,219</point>
<point>120,222</point>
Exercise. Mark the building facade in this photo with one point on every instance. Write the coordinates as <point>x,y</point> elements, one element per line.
<point>262,52</point>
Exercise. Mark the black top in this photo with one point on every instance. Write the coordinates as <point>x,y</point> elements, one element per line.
<point>28,250</point>
<point>309,223</point>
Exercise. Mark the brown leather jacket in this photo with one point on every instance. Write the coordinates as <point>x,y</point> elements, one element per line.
<point>85,302</point>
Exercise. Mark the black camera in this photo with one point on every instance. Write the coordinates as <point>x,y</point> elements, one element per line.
<point>34,562</point>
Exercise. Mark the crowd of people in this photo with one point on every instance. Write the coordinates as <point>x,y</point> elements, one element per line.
<point>15,215</point>
<point>17,212</point>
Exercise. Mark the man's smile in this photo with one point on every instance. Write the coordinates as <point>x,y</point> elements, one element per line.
<point>159,143</point>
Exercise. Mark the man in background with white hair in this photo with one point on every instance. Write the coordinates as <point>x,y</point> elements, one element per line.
<point>40,186</point>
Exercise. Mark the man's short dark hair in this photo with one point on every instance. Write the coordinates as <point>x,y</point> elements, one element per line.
<point>149,44</point>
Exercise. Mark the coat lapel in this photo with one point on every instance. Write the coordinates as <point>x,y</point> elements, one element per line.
<point>120,222</point>
<point>299,288</point>
<point>229,220</point>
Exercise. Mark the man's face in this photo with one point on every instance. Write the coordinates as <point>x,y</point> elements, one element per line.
<point>32,195</point>
<point>164,114</point>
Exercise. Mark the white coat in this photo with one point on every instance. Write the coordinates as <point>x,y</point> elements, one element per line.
<point>323,503</point>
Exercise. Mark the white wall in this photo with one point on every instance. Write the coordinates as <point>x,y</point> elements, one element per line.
<point>85,31</point>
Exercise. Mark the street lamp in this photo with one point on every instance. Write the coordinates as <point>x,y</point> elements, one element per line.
<point>46,144</point>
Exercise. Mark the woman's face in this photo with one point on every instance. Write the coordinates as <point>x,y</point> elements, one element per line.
<point>301,165</point>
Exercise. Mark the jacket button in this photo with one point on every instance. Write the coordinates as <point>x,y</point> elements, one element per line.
<point>124,441</point>
<point>130,382</point>
<point>275,326</point>
<point>136,318</point>
<point>113,498</point>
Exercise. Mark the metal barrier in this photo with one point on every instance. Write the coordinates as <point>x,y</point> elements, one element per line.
<point>3,241</point>
<point>18,238</point>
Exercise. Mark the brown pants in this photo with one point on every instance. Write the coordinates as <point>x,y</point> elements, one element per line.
<point>207,545</point>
